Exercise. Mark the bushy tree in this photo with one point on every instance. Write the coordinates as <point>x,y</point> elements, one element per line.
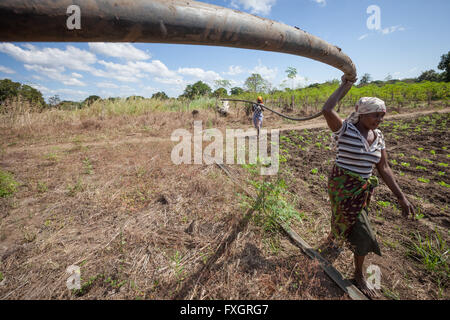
<point>8,89</point>
<point>256,83</point>
<point>429,75</point>
<point>197,89</point>
<point>365,79</point>
<point>54,100</point>
<point>236,91</point>
<point>160,95</point>
<point>89,100</point>
<point>291,74</point>
<point>220,92</point>
<point>222,83</point>
<point>444,64</point>
<point>135,98</point>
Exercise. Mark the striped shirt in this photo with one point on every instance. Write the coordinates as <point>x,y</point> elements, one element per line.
<point>354,152</point>
<point>257,111</point>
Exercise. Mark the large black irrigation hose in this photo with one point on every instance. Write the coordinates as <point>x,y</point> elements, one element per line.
<point>278,113</point>
<point>157,21</point>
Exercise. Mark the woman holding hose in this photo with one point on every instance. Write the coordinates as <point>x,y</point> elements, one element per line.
<point>360,148</point>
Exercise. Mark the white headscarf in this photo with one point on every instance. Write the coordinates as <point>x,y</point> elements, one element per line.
<point>366,105</point>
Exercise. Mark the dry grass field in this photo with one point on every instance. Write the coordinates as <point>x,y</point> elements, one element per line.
<point>98,189</point>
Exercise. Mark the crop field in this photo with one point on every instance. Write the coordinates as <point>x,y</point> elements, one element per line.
<point>415,251</point>
<point>99,191</point>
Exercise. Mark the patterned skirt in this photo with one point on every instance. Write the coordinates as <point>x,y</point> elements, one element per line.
<point>350,197</point>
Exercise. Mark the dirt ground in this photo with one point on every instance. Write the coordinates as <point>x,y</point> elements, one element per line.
<point>104,195</point>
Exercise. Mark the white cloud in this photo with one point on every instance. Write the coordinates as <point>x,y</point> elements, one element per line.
<point>363,36</point>
<point>133,71</point>
<point>76,93</point>
<point>155,67</point>
<point>107,85</point>
<point>320,2</point>
<point>176,81</point>
<point>72,58</point>
<point>234,70</point>
<point>55,73</point>
<point>392,29</point>
<point>118,50</point>
<point>6,70</point>
<point>265,72</point>
<point>297,82</point>
<point>37,77</point>
<point>198,73</point>
<point>255,6</point>
<point>76,75</point>
<point>43,89</point>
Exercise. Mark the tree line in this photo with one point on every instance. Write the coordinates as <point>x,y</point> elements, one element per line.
<point>430,85</point>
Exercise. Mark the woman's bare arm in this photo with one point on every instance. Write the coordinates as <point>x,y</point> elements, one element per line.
<point>333,119</point>
<point>388,177</point>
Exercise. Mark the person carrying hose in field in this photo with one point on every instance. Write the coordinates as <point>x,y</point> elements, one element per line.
<point>360,147</point>
<point>258,114</point>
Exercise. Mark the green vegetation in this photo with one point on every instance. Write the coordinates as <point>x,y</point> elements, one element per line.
<point>7,184</point>
<point>432,252</point>
<point>443,184</point>
<point>271,206</point>
<point>10,90</point>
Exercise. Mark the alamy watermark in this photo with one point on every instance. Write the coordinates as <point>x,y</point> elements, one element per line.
<point>374,279</point>
<point>74,20</point>
<point>374,20</point>
<point>214,152</point>
<point>74,281</point>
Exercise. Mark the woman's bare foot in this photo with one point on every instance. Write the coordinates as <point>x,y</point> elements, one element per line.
<point>362,285</point>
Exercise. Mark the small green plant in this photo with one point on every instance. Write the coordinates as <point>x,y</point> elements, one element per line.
<point>427,160</point>
<point>441,164</point>
<point>115,283</point>
<point>85,287</point>
<point>178,267</point>
<point>433,152</point>
<point>441,173</point>
<point>421,168</point>
<point>419,215</point>
<point>405,164</point>
<point>384,204</point>
<point>391,294</point>
<point>51,156</point>
<point>7,184</point>
<point>271,206</point>
<point>74,189</point>
<point>424,180</point>
<point>314,171</point>
<point>87,165</point>
<point>432,252</point>
<point>394,162</point>
<point>443,184</point>
<point>420,149</point>
<point>42,187</point>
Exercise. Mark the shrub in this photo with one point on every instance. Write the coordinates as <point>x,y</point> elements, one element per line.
<point>7,184</point>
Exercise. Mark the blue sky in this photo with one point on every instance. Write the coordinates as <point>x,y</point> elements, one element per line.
<point>412,36</point>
